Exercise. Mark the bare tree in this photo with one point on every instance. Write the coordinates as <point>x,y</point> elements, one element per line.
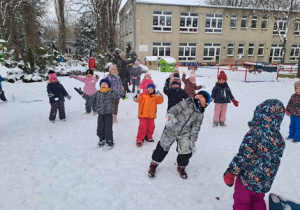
<point>60,14</point>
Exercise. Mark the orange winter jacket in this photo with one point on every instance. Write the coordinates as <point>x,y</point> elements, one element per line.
<point>148,105</point>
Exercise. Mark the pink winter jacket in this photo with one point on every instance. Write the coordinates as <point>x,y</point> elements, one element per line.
<point>89,84</point>
<point>145,83</point>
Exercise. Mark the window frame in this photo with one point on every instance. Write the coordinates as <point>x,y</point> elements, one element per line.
<point>211,17</point>
<point>233,17</point>
<point>282,24</point>
<point>209,46</point>
<point>251,46</point>
<point>230,47</point>
<point>261,47</point>
<point>244,20</point>
<point>189,29</point>
<point>241,46</point>
<point>159,14</point>
<point>297,28</point>
<point>255,19</point>
<point>159,46</point>
<point>264,20</point>
<point>187,47</point>
<point>295,50</point>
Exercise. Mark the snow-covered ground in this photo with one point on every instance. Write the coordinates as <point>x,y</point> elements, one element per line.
<point>58,166</point>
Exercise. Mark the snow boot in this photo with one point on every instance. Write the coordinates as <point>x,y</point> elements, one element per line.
<point>139,143</point>
<point>181,171</point>
<point>101,143</point>
<point>223,124</point>
<point>152,168</point>
<point>215,124</point>
<point>109,147</point>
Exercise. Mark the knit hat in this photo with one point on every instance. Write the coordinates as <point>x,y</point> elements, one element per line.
<point>51,71</point>
<point>136,62</point>
<point>89,71</point>
<point>222,75</point>
<point>176,79</point>
<point>52,77</point>
<point>147,74</point>
<point>206,95</point>
<point>151,85</point>
<point>106,81</point>
<point>297,84</point>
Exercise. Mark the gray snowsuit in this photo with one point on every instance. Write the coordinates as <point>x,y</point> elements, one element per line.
<point>184,128</point>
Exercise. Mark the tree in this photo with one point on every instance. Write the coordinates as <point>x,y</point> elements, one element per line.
<point>60,14</point>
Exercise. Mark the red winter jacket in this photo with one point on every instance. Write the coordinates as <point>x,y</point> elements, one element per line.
<point>92,63</point>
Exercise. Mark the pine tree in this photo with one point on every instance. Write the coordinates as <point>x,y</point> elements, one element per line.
<point>131,55</point>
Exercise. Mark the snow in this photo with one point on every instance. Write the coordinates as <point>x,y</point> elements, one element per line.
<point>151,58</point>
<point>58,166</point>
<point>169,60</point>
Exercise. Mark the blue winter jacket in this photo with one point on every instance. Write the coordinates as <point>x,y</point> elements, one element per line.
<point>1,81</point>
<point>221,93</point>
<point>258,159</point>
<point>59,92</point>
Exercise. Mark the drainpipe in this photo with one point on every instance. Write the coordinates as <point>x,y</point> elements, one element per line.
<point>134,24</point>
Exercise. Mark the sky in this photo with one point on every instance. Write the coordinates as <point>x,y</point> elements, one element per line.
<point>59,166</point>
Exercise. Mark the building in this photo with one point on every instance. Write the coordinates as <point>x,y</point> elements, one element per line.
<point>207,33</point>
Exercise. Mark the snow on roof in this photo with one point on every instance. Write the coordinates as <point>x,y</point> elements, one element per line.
<point>169,59</point>
<point>2,41</point>
<point>151,58</point>
<point>172,2</point>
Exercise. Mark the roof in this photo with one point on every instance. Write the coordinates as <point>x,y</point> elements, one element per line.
<point>2,41</point>
<point>169,60</point>
<point>151,58</point>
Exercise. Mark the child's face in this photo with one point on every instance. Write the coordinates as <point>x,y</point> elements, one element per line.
<point>222,81</point>
<point>150,90</point>
<point>201,99</point>
<point>174,86</point>
<point>89,75</point>
<point>192,79</point>
<point>297,89</point>
<point>104,85</point>
<point>147,77</point>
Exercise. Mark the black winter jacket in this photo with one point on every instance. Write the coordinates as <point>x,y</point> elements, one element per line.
<point>58,90</point>
<point>174,96</point>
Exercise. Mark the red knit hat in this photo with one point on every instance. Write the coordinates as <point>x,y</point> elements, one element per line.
<point>222,75</point>
<point>52,77</point>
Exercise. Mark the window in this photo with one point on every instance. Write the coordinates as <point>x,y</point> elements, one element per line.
<point>297,29</point>
<point>214,23</point>
<point>261,49</point>
<point>294,56</point>
<point>233,21</point>
<point>188,22</point>
<point>211,52</point>
<point>187,51</point>
<point>130,21</point>
<point>264,23</point>
<point>161,49</point>
<point>162,21</point>
<point>244,21</point>
<point>241,49</point>
<point>251,50</point>
<point>276,53</point>
<point>279,25</point>
<point>230,49</point>
<point>254,22</point>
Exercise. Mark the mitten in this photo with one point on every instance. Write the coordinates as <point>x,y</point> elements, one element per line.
<point>73,76</point>
<point>138,92</point>
<point>50,95</point>
<point>68,97</point>
<point>235,102</point>
<point>159,94</point>
<point>97,76</point>
<point>203,86</point>
<point>228,178</point>
<point>287,113</point>
<point>135,98</point>
<point>79,91</point>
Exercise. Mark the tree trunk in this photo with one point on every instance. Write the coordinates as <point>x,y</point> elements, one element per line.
<point>298,72</point>
<point>32,38</point>
<point>60,14</point>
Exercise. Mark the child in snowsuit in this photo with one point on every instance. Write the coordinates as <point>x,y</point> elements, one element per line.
<point>293,110</point>
<point>145,82</point>
<point>92,63</point>
<point>256,164</point>
<point>56,94</point>
<point>147,113</point>
<point>135,75</point>
<point>104,100</point>
<point>175,93</point>
<point>190,84</point>
<point>116,85</point>
<point>2,96</point>
<point>183,125</point>
<point>169,79</point>
<point>89,88</point>
<point>221,95</point>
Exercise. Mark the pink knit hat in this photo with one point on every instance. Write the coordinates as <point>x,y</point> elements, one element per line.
<point>52,77</point>
<point>297,84</point>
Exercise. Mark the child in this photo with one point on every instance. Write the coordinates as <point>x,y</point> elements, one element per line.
<point>258,159</point>
<point>92,63</point>
<point>2,96</point>
<point>175,93</point>
<point>221,95</point>
<point>56,94</point>
<point>293,110</point>
<point>183,125</point>
<point>169,79</point>
<point>147,113</point>
<point>190,84</point>
<point>89,87</point>
<point>135,74</point>
<point>116,85</point>
<point>104,100</point>
<point>145,82</point>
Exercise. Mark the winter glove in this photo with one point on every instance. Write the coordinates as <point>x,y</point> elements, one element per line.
<point>228,178</point>
<point>287,113</point>
<point>203,86</point>
<point>73,76</point>
<point>135,98</point>
<point>138,92</point>
<point>50,95</point>
<point>79,91</point>
<point>235,102</point>
<point>159,94</point>
<point>97,76</point>
<point>68,97</point>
